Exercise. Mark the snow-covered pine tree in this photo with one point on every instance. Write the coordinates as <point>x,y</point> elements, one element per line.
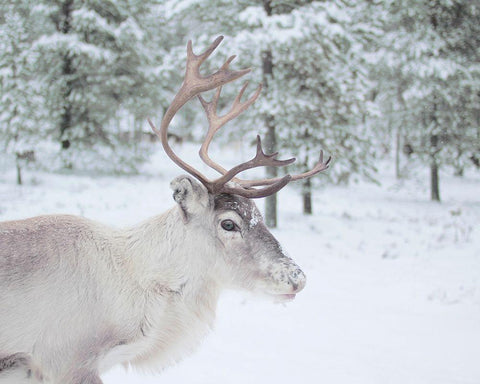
<point>21,127</point>
<point>199,21</point>
<point>318,89</point>
<point>432,54</point>
<point>146,55</point>
<point>94,59</point>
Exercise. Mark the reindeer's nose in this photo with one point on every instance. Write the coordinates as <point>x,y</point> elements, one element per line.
<point>298,280</point>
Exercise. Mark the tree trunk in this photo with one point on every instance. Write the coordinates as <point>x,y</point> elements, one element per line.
<point>19,174</point>
<point>434,150</point>
<point>459,170</point>
<point>307,184</point>
<point>270,139</point>
<point>399,130</point>
<point>434,181</point>
<point>307,196</point>
<point>68,70</point>
<point>267,6</point>
<point>457,164</point>
<point>271,201</point>
<point>397,153</point>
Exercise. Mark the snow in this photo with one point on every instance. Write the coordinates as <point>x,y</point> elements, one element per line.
<point>393,291</point>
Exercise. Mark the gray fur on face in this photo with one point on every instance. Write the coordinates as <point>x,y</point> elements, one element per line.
<point>259,252</point>
<point>244,207</point>
<point>260,238</point>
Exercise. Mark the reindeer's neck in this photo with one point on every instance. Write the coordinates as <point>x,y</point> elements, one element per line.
<point>176,274</point>
<point>166,254</point>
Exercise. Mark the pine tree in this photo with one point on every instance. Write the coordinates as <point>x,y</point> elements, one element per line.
<point>432,51</point>
<point>20,131</point>
<point>92,61</point>
<point>318,89</point>
<point>308,56</point>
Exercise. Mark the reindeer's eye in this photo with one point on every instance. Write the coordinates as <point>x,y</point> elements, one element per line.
<point>228,225</point>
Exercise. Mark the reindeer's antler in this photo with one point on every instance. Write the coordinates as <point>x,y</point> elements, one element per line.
<point>193,85</point>
<point>216,122</point>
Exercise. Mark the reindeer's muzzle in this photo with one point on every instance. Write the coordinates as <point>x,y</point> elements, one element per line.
<point>289,280</point>
<point>297,279</point>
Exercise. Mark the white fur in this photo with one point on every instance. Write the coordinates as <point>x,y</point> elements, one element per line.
<point>79,297</point>
<point>17,377</point>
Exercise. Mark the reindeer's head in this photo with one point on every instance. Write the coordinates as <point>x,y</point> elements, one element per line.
<point>252,256</point>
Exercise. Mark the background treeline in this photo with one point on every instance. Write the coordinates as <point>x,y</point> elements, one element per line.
<point>360,79</point>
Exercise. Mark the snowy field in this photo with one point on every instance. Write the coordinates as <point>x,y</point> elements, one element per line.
<point>393,292</point>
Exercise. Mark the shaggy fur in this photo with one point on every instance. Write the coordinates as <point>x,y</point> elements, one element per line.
<point>78,297</point>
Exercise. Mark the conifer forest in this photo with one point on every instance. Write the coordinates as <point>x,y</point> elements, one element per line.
<point>389,235</point>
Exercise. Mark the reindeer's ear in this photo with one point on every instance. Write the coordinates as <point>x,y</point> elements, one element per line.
<point>191,196</point>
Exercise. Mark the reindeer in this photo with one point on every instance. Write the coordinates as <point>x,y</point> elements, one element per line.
<point>78,297</point>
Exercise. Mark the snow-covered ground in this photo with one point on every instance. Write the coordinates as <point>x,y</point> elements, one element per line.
<point>393,292</point>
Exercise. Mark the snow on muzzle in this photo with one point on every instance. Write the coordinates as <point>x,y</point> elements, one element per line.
<point>286,279</point>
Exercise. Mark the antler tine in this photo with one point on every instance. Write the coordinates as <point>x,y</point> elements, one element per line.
<point>222,76</point>
<point>193,85</point>
<point>260,160</point>
<point>271,186</point>
<point>210,107</point>
<point>320,166</point>
<point>253,193</point>
<point>203,56</point>
<point>270,159</point>
<point>216,122</point>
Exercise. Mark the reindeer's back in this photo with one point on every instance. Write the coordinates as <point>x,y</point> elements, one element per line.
<point>43,245</point>
<point>53,274</point>
<point>29,246</point>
